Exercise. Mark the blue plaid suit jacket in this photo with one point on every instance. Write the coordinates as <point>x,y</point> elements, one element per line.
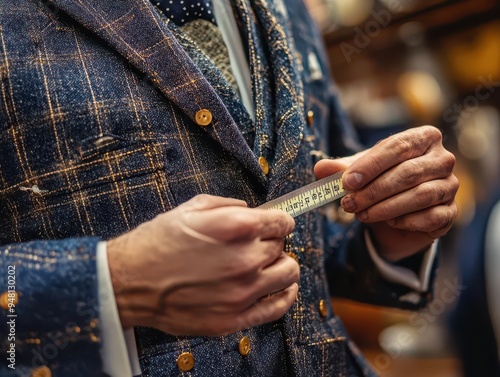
<point>98,134</point>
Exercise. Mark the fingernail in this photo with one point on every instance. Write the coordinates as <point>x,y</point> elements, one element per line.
<point>363,216</point>
<point>348,204</point>
<point>354,180</point>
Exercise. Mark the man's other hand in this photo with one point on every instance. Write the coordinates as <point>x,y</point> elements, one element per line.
<point>209,267</point>
<point>403,187</point>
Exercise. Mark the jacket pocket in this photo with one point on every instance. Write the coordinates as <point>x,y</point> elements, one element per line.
<point>111,185</point>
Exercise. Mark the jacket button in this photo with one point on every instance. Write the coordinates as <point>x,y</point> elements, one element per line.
<point>323,308</point>
<point>185,361</point>
<point>8,297</point>
<point>203,117</point>
<point>244,346</point>
<point>264,165</point>
<point>310,117</point>
<point>41,372</point>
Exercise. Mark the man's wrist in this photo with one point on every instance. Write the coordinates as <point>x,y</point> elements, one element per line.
<point>119,273</point>
<point>393,244</point>
<point>413,272</point>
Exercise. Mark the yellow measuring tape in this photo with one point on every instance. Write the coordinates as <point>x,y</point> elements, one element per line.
<point>309,197</point>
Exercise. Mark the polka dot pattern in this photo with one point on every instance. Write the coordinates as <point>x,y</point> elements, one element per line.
<point>183,11</point>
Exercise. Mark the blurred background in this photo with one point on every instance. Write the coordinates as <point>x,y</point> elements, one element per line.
<point>404,63</point>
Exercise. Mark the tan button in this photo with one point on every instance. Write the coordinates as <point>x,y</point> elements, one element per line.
<point>203,117</point>
<point>244,346</point>
<point>41,372</point>
<point>323,308</point>
<point>264,165</point>
<point>4,299</point>
<point>185,361</point>
<point>310,117</point>
<point>294,256</point>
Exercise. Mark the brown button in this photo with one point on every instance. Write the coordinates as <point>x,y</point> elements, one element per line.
<point>185,361</point>
<point>8,297</point>
<point>203,117</point>
<point>41,372</point>
<point>323,308</point>
<point>244,346</point>
<point>294,256</point>
<point>264,165</point>
<point>310,117</point>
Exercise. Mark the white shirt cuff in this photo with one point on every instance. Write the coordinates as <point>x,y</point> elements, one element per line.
<point>118,351</point>
<point>402,275</point>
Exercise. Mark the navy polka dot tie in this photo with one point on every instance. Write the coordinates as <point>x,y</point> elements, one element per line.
<point>182,11</point>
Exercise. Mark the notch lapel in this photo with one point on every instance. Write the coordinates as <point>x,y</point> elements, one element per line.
<point>137,32</point>
<point>280,105</point>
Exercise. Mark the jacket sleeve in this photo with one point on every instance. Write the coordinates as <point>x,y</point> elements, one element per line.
<point>51,321</point>
<point>352,272</point>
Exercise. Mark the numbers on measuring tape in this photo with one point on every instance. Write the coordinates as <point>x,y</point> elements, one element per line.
<point>310,196</point>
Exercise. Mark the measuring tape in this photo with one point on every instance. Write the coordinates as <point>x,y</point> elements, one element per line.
<point>309,197</point>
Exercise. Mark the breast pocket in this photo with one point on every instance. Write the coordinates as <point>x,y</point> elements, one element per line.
<point>111,185</point>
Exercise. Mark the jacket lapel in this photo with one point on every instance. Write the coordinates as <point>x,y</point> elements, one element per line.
<point>138,33</point>
<point>281,118</point>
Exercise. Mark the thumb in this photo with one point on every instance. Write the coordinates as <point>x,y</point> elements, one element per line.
<point>204,201</point>
<point>326,167</point>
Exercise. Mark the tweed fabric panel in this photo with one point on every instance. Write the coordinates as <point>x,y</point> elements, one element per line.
<point>261,79</point>
<point>208,38</point>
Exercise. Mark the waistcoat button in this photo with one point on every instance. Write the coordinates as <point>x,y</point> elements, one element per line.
<point>323,308</point>
<point>310,117</point>
<point>264,165</point>
<point>185,361</point>
<point>291,254</point>
<point>244,346</point>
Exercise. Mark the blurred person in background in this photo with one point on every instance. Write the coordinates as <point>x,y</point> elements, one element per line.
<point>479,246</point>
<point>475,321</point>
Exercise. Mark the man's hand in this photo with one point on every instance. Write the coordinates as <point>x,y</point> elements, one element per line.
<point>211,266</point>
<point>403,187</point>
